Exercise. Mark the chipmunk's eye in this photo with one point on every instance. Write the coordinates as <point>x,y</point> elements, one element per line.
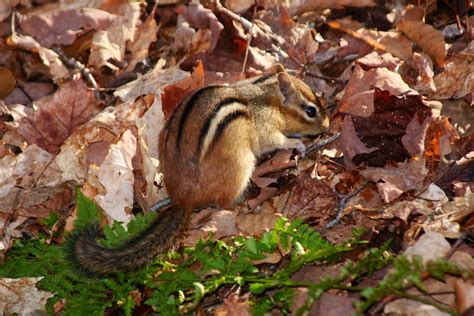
<point>310,110</point>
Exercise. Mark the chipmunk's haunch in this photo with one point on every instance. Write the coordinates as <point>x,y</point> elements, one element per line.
<point>208,150</point>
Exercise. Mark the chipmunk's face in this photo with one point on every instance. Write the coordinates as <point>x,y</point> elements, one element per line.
<point>304,114</point>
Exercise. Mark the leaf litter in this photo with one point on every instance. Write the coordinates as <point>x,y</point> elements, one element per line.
<point>399,85</point>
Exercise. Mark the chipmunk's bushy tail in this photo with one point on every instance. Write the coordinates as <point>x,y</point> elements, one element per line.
<point>157,238</point>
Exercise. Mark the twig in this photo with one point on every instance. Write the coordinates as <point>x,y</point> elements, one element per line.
<point>73,63</point>
<point>321,144</point>
<point>249,40</point>
<point>343,199</point>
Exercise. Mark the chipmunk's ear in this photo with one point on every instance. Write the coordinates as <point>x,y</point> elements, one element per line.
<point>285,84</point>
<point>276,68</point>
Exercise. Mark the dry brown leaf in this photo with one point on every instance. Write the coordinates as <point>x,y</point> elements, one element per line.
<point>359,96</point>
<point>17,177</point>
<point>116,176</point>
<point>395,43</point>
<point>374,60</point>
<point>50,59</point>
<point>53,118</point>
<point>457,79</point>
<point>312,200</point>
<point>332,304</point>
<point>405,306</point>
<point>200,17</point>
<point>427,37</point>
<point>29,91</point>
<point>6,7</point>
<point>256,224</point>
<point>12,230</point>
<point>298,41</point>
<point>109,44</point>
<point>430,246</point>
<point>62,27</point>
<point>397,129</point>
<point>146,34</point>
<point>153,82</point>
<point>298,7</point>
<point>21,297</point>
<point>393,181</point>
<point>219,223</point>
<point>464,290</point>
<point>463,260</point>
<point>234,305</point>
<point>461,114</point>
<point>397,180</point>
<point>424,80</point>
<point>107,155</point>
<point>239,6</point>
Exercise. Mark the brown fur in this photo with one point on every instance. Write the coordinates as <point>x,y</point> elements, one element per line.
<point>93,258</point>
<point>208,150</point>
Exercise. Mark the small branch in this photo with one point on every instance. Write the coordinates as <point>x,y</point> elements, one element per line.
<point>321,144</point>
<point>343,199</point>
<point>249,40</point>
<point>72,63</point>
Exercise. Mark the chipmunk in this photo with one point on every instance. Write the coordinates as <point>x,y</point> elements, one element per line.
<point>208,150</point>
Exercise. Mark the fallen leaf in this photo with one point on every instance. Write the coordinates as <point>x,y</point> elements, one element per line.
<point>393,181</point>
<point>457,79</point>
<point>375,60</point>
<point>53,118</point>
<point>256,224</point>
<point>115,175</point>
<point>430,246</point>
<point>311,200</point>
<point>29,91</point>
<point>409,307</point>
<point>146,34</point>
<point>6,8</point>
<point>153,82</point>
<point>108,45</point>
<point>359,95</point>
<point>299,41</point>
<point>219,223</point>
<point>464,290</point>
<point>424,80</point>
<point>333,305</point>
<point>200,17</point>
<point>63,26</point>
<point>49,58</point>
<point>235,305</point>
<point>427,37</point>
<point>21,297</point>
<point>461,114</point>
<point>299,7</point>
<point>464,260</point>
<point>394,131</point>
